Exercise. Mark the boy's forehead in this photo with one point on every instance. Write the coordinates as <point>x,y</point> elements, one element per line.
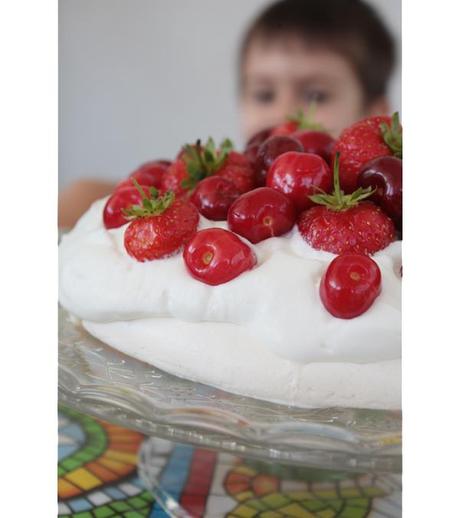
<point>291,58</point>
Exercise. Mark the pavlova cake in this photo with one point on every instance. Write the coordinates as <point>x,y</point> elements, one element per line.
<point>274,273</point>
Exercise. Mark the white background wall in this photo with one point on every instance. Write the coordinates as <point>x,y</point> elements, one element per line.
<point>140,77</point>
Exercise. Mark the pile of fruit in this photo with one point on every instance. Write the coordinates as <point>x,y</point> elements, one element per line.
<point>344,195</point>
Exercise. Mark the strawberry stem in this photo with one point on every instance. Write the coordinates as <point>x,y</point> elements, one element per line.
<point>338,200</point>
<point>152,204</point>
<point>306,121</point>
<point>202,162</point>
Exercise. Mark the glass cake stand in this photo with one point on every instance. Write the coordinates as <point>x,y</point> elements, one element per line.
<point>100,381</point>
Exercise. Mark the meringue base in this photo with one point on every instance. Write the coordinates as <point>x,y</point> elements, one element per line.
<point>237,363</point>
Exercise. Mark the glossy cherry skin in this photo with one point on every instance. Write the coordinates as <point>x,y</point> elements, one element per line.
<point>385,175</point>
<point>121,199</point>
<point>150,174</point>
<point>316,142</point>
<point>300,175</point>
<point>213,197</point>
<point>350,285</point>
<point>258,138</point>
<point>215,256</point>
<point>271,149</point>
<point>260,214</point>
<point>253,144</point>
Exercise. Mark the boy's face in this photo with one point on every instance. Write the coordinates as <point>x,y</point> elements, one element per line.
<point>282,76</point>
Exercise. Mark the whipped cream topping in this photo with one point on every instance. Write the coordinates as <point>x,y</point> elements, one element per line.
<point>276,304</point>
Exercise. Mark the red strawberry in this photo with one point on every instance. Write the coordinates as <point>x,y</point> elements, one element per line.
<point>241,177</point>
<point>298,121</point>
<point>239,159</point>
<point>173,178</point>
<point>363,141</point>
<point>194,163</point>
<point>162,225</point>
<point>237,169</point>
<point>344,223</point>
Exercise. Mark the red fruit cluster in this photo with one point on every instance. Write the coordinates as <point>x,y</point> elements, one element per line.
<point>197,162</point>
<point>342,223</point>
<point>312,135</point>
<point>126,194</point>
<point>282,179</point>
<point>364,141</point>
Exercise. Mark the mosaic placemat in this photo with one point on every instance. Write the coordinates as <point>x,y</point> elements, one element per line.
<point>98,479</point>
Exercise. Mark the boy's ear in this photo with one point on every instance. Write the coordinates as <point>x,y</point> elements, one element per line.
<point>380,106</point>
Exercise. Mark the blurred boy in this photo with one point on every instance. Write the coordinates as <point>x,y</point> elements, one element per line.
<point>335,53</point>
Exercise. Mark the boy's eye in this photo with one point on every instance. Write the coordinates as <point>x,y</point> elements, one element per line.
<point>315,96</point>
<point>263,96</point>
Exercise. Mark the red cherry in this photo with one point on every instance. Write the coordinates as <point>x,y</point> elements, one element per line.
<point>271,149</point>
<point>316,142</point>
<point>149,174</point>
<point>213,197</point>
<point>300,175</point>
<point>121,199</point>
<point>215,256</point>
<point>260,214</point>
<point>258,138</point>
<point>251,154</point>
<point>350,285</point>
<point>385,175</point>
<point>253,144</point>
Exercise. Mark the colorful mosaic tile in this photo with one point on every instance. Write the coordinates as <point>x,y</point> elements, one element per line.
<point>97,478</point>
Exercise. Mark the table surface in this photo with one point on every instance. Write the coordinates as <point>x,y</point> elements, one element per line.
<point>98,479</point>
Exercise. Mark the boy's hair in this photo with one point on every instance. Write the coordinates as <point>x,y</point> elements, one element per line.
<point>349,27</point>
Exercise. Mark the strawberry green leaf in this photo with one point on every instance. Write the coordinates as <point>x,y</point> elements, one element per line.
<point>306,121</point>
<point>338,200</point>
<point>392,135</point>
<point>203,161</point>
<point>152,204</point>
